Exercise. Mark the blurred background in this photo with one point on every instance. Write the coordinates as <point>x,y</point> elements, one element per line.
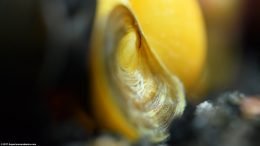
<point>43,52</point>
<point>44,75</point>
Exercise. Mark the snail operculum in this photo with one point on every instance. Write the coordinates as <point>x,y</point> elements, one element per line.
<point>149,96</point>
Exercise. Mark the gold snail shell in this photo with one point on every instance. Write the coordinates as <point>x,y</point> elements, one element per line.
<point>135,93</point>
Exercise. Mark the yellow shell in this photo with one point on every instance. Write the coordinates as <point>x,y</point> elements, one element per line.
<point>141,50</point>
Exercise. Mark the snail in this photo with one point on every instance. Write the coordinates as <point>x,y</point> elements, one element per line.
<point>144,56</point>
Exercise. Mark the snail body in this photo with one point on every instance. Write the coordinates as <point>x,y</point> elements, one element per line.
<point>139,64</point>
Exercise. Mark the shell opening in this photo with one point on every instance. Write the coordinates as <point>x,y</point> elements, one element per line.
<point>148,96</point>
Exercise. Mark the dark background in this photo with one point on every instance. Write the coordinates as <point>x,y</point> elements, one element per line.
<point>43,49</point>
